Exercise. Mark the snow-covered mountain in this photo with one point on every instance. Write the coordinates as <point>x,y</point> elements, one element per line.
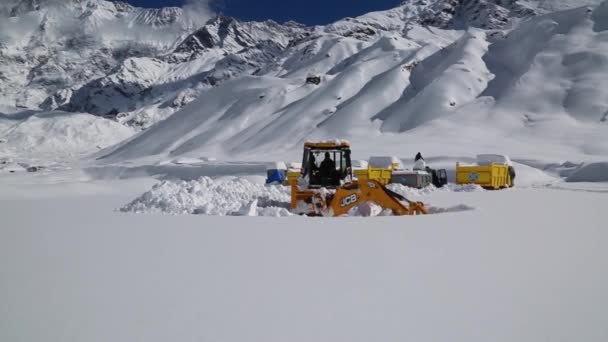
<point>509,68</point>
<point>49,49</point>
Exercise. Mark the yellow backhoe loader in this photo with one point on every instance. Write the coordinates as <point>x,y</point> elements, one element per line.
<point>327,188</point>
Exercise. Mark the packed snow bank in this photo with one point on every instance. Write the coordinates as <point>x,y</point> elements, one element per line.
<point>592,172</point>
<point>206,196</point>
<point>60,135</point>
<point>232,196</point>
<point>527,176</point>
<point>384,162</point>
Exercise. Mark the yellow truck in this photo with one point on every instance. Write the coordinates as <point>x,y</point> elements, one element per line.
<point>383,176</point>
<point>379,169</point>
<point>492,171</point>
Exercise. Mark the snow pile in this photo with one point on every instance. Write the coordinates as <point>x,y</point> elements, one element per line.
<point>334,141</point>
<point>359,164</point>
<point>408,192</point>
<point>234,196</point>
<point>61,135</point>
<point>218,197</point>
<point>384,162</point>
<point>592,172</point>
<point>488,159</point>
<point>527,176</point>
<point>368,209</point>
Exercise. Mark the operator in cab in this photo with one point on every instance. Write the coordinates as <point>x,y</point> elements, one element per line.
<point>328,166</point>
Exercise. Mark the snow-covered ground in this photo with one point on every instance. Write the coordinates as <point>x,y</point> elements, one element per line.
<point>526,264</point>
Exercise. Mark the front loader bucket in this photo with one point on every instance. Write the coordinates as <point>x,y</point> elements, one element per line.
<point>417,208</point>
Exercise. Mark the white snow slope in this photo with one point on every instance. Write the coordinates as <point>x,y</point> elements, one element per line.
<point>438,76</point>
<point>539,91</point>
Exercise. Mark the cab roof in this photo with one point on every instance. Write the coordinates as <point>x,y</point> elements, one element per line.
<point>327,145</point>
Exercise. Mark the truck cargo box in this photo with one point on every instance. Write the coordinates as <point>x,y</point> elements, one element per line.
<point>413,179</point>
<point>489,176</point>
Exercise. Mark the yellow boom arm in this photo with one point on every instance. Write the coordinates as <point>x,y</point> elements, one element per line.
<point>351,195</point>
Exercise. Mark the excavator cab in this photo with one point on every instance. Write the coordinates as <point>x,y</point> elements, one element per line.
<point>326,165</point>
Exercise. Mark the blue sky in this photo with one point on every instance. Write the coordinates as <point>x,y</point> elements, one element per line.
<point>305,11</point>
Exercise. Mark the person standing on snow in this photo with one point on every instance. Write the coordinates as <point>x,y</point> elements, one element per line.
<point>419,163</point>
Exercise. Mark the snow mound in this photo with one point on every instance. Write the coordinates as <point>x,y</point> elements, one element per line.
<point>368,209</point>
<point>384,162</point>
<point>61,135</point>
<point>206,196</point>
<point>236,196</point>
<point>592,172</point>
<point>527,176</point>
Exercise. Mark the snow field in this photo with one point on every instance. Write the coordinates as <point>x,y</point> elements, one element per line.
<point>527,265</point>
